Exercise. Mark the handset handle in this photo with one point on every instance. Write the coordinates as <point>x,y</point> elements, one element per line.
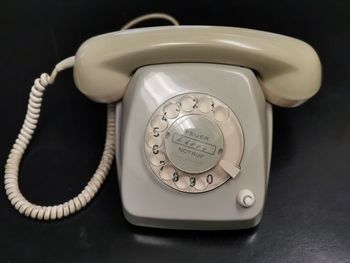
<point>289,69</point>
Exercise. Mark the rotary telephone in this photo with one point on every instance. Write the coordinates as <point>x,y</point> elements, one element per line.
<point>192,109</point>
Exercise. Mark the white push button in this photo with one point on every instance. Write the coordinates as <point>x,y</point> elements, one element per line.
<point>246,198</point>
<point>248,201</point>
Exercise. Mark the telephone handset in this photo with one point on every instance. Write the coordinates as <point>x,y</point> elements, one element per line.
<point>193,116</point>
<point>288,69</point>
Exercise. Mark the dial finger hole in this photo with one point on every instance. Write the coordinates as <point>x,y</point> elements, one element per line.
<point>201,184</point>
<point>205,104</point>
<point>188,103</point>
<point>182,182</point>
<point>152,140</point>
<point>221,113</point>
<point>159,123</point>
<point>157,158</point>
<point>171,110</point>
<point>167,172</point>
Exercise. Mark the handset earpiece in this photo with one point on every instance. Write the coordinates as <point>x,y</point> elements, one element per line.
<point>289,69</point>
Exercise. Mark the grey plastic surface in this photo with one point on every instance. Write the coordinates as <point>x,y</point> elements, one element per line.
<point>148,202</point>
<point>288,69</point>
<point>191,163</point>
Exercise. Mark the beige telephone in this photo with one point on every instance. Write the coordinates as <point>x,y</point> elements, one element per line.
<point>193,114</point>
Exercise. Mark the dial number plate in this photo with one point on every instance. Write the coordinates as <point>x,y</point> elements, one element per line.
<point>187,137</point>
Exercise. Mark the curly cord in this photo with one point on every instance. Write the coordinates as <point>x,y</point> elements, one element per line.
<point>25,135</point>
<point>149,17</point>
<point>30,123</point>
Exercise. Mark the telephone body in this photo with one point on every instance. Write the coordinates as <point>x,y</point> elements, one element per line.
<point>193,121</point>
<point>165,196</point>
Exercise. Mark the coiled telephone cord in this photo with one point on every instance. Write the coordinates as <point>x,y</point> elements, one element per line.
<point>27,131</point>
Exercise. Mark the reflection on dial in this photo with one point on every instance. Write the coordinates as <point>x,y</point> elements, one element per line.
<point>182,182</point>
<point>154,140</point>
<point>171,110</point>
<point>186,138</point>
<point>159,122</point>
<point>188,103</point>
<point>167,172</point>
<point>205,104</point>
<point>221,113</point>
<point>157,158</point>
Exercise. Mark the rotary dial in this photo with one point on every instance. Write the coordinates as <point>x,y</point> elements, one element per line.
<point>194,143</point>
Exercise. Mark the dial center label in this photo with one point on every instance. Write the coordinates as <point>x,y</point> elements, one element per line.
<point>194,143</point>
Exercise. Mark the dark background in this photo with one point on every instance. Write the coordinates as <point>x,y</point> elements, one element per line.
<point>307,211</point>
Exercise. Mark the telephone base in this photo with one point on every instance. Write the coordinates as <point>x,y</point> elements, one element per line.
<point>149,202</point>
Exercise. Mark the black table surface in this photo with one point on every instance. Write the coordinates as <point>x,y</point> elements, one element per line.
<point>307,211</point>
